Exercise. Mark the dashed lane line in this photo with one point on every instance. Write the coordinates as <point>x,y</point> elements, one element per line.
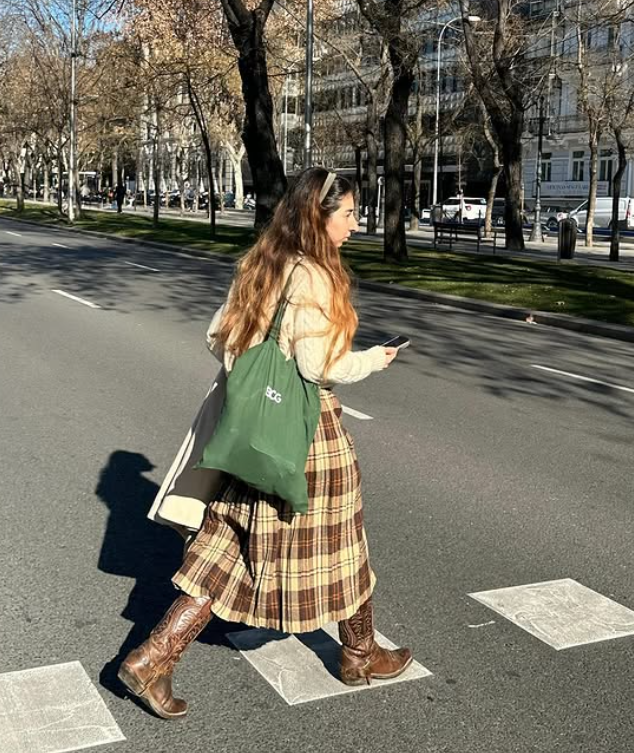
<point>10,232</point>
<point>141,266</point>
<point>581,378</point>
<point>356,414</point>
<point>78,299</point>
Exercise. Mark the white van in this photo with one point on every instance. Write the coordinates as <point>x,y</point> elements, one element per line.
<point>472,208</point>
<point>603,213</point>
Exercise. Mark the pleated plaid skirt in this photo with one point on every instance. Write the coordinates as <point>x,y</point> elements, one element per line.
<point>267,567</point>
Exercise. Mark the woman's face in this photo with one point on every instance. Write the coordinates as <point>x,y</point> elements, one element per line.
<point>342,223</point>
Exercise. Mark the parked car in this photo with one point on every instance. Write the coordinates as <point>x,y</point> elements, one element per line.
<point>473,209</point>
<point>174,199</point>
<point>603,213</point>
<point>552,215</point>
<point>497,212</point>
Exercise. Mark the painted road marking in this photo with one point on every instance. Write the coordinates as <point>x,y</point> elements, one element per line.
<point>141,266</point>
<point>304,669</point>
<point>10,232</point>
<point>561,613</point>
<point>60,245</point>
<point>355,413</point>
<point>78,299</point>
<point>53,709</point>
<point>583,378</point>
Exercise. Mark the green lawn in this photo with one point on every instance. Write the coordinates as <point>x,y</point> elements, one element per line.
<point>229,240</point>
<point>588,291</point>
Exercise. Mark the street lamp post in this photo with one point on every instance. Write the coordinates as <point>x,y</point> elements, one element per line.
<point>469,19</point>
<point>22,171</point>
<point>73,114</point>
<point>289,72</point>
<point>536,230</point>
<point>308,98</point>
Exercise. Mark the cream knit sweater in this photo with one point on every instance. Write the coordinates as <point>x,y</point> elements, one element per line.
<point>302,332</point>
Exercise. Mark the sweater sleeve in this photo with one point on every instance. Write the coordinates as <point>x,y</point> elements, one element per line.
<point>311,342</point>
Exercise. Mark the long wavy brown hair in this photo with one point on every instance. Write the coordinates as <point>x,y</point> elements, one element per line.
<point>298,229</point>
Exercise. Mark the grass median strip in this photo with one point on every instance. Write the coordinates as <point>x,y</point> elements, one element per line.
<point>600,293</point>
<point>229,240</point>
<point>593,292</point>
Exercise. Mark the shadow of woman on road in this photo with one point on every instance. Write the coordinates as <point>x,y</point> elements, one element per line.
<point>135,547</point>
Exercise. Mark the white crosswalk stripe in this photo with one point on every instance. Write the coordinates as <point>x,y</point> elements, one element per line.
<point>562,613</point>
<point>303,669</point>
<point>53,709</point>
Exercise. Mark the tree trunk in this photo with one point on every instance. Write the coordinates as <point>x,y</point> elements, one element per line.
<point>593,143</point>
<point>235,158</point>
<point>395,242</point>
<point>417,174</point>
<point>181,175</point>
<point>371,127</point>
<point>218,185</point>
<point>615,240</point>
<point>47,181</point>
<point>197,183</point>
<point>60,180</point>
<point>269,181</point>
<point>173,171</point>
<point>210,177</point>
<point>157,165</point>
<point>140,173</point>
<point>204,135</point>
<point>497,169</point>
<point>511,140</point>
<point>239,184</point>
<point>115,169</point>
<point>20,191</point>
<point>358,178</point>
<point>493,186</point>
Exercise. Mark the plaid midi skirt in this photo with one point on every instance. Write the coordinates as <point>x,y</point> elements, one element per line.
<point>267,567</point>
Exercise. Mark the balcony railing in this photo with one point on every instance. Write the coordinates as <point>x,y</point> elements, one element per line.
<point>559,124</point>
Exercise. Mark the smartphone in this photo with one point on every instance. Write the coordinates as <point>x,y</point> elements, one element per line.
<point>399,342</point>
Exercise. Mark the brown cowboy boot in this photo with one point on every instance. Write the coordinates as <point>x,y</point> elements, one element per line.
<point>361,656</point>
<point>147,670</point>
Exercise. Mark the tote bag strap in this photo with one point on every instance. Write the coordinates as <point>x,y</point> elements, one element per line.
<point>276,324</point>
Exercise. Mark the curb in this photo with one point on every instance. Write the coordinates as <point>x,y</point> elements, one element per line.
<point>561,321</point>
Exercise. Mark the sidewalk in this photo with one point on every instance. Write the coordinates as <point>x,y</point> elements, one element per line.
<point>424,238</point>
<point>596,255</point>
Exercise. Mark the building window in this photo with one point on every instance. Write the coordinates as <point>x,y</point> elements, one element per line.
<point>606,165</point>
<point>578,166</point>
<point>547,167</point>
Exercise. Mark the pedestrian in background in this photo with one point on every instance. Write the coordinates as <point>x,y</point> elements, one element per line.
<point>119,195</point>
<point>253,559</point>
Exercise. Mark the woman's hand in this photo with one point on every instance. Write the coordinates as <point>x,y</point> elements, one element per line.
<point>390,355</point>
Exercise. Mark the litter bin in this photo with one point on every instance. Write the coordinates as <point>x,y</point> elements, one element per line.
<point>566,239</point>
<point>436,214</point>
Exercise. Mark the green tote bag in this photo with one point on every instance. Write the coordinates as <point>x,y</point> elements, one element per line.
<point>268,421</point>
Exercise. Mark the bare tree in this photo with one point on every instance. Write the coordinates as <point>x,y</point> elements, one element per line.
<point>247,28</point>
<point>389,19</point>
<point>620,106</point>
<point>509,68</point>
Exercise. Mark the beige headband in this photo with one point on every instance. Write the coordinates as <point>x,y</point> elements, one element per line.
<point>327,186</point>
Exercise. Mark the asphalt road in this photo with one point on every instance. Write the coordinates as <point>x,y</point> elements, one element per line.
<point>480,472</point>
